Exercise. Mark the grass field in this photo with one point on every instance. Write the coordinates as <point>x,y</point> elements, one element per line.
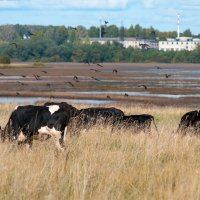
<point>104,165</point>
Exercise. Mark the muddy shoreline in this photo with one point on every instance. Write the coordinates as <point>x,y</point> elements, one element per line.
<point>57,80</point>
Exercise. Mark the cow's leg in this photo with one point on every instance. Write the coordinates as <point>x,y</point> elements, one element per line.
<point>147,127</point>
<point>57,135</point>
<point>65,134</point>
<point>58,138</point>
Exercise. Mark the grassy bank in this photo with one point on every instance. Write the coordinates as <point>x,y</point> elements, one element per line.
<point>101,165</point>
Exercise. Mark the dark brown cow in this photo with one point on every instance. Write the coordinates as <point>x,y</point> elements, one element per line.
<point>190,123</point>
<point>85,118</point>
<point>137,123</point>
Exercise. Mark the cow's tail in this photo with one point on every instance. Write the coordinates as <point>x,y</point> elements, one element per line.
<point>5,133</point>
<point>155,124</point>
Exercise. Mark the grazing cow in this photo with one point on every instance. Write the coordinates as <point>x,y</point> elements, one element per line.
<point>190,123</point>
<point>91,116</point>
<point>29,121</point>
<point>137,122</point>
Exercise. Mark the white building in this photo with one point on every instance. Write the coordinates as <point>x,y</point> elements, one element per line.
<point>129,42</point>
<point>179,44</point>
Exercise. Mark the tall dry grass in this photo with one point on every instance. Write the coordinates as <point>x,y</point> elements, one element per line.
<point>103,165</point>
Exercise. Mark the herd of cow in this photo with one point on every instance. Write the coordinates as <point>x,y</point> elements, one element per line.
<point>53,119</point>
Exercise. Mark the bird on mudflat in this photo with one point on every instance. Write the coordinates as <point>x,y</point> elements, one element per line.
<point>126,95</point>
<point>114,71</point>
<point>99,65</point>
<point>108,97</point>
<point>158,67</point>
<point>21,83</point>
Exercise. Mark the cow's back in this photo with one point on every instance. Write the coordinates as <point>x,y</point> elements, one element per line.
<point>189,121</point>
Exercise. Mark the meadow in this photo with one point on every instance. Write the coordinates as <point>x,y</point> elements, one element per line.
<point>100,164</point>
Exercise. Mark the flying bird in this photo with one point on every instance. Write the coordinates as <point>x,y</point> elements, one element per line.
<point>144,46</point>
<point>106,22</point>
<point>99,65</point>
<point>37,77</point>
<point>167,75</point>
<point>69,82</point>
<point>96,70</point>
<point>45,72</point>
<point>96,79</point>
<point>30,33</point>
<point>144,86</point>
<point>75,78</point>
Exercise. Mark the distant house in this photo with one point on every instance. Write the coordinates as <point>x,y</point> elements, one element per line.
<point>139,43</point>
<point>178,44</point>
<point>104,40</point>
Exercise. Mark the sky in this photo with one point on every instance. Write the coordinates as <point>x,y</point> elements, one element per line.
<point>161,14</point>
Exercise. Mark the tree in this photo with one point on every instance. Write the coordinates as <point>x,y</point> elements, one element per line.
<point>61,35</point>
<point>111,31</point>
<point>93,31</point>
<point>187,33</point>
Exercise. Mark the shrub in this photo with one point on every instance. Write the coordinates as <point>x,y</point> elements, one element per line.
<point>5,59</point>
<point>39,64</point>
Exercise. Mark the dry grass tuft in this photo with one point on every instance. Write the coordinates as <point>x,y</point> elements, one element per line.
<point>103,165</point>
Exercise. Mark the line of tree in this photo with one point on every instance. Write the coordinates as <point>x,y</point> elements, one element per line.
<point>59,43</point>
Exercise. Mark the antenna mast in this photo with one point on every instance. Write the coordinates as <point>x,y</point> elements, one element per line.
<point>178,29</point>
<point>100,28</point>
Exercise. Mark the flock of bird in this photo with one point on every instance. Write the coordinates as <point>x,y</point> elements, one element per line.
<point>75,78</point>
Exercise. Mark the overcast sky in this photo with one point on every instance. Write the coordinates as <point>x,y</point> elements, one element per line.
<point>161,14</point>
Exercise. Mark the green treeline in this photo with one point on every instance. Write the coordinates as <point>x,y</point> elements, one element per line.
<point>58,43</point>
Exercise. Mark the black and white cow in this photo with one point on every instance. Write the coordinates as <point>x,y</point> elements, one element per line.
<point>190,123</point>
<point>136,122</point>
<point>29,121</point>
